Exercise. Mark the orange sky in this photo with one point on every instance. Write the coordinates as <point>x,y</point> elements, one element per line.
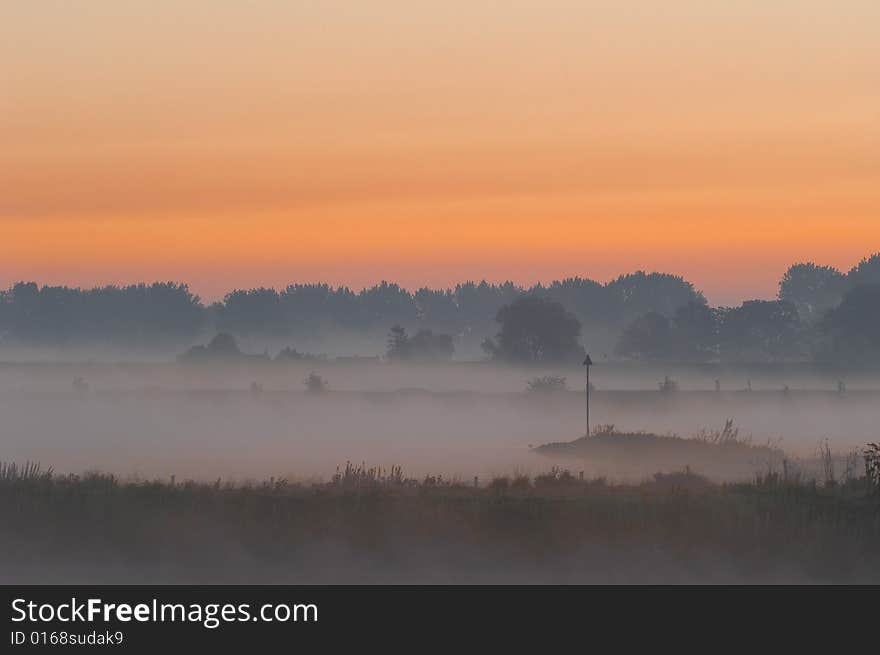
<point>236,144</point>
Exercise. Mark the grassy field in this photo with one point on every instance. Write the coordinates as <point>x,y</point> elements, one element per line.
<point>375,525</point>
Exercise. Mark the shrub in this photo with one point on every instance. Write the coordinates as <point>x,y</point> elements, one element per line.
<point>668,385</point>
<point>315,383</point>
<point>547,383</point>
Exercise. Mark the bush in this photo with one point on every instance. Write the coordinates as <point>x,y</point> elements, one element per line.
<point>315,383</point>
<point>547,383</point>
<point>668,385</point>
<point>288,354</point>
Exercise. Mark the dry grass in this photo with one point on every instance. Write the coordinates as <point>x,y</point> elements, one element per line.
<point>375,524</point>
<point>720,454</point>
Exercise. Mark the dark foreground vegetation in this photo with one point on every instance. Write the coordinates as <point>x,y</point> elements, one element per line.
<point>372,525</point>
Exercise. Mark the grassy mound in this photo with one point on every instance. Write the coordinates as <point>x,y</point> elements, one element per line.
<point>719,454</point>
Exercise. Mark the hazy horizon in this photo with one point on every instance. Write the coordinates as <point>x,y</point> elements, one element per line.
<point>7,281</point>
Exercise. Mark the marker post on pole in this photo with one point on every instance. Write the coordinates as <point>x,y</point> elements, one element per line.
<point>587,364</point>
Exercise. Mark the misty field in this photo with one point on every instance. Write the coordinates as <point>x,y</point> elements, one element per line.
<point>257,420</point>
<point>758,483</point>
<point>377,525</point>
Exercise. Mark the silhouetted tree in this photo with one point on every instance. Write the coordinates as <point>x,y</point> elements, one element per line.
<point>640,293</point>
<point>590,301</point>
<point>311,307</point>
<point>695,332</point>
<point>760,330</point>
<point>478,305</point>
<point>691,335</point>
<point>854,326</point>
<point>865,272</point>
<point>812,289</point>
<point>438,307</point>
<point>398,344</point>
<point>535,329</point>
<point>252,312</point>
<point>647,337</point>
<point>386,302</point>
<point>425,345</point>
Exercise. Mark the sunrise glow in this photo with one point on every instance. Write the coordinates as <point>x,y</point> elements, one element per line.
<point>430,143</point>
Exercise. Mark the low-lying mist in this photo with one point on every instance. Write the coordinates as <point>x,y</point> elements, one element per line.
<point>254,421</point>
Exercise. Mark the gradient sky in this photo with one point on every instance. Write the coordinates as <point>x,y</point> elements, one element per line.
<point>233,144</point>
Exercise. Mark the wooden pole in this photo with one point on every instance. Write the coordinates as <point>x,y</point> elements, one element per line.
<point>588,400</point>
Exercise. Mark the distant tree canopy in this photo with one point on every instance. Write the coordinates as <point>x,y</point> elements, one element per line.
<point>424,346</point>
<point>168,312</point>
<point>696,327</point>
<point>812,289</point>
<point>468,308</point>
<point>758,330</point>
<point>535,329</point>
<point>648,337</point>
<point>690,335</point>
<point>866,272</point>
<point>132,316</point>
<point>854,326</point>
<point>620,301</point>
<point>640,293</point>
<point>650,315</point>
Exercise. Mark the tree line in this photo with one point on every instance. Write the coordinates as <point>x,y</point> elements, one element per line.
<point>141,315</point>
<point>820,313</point>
